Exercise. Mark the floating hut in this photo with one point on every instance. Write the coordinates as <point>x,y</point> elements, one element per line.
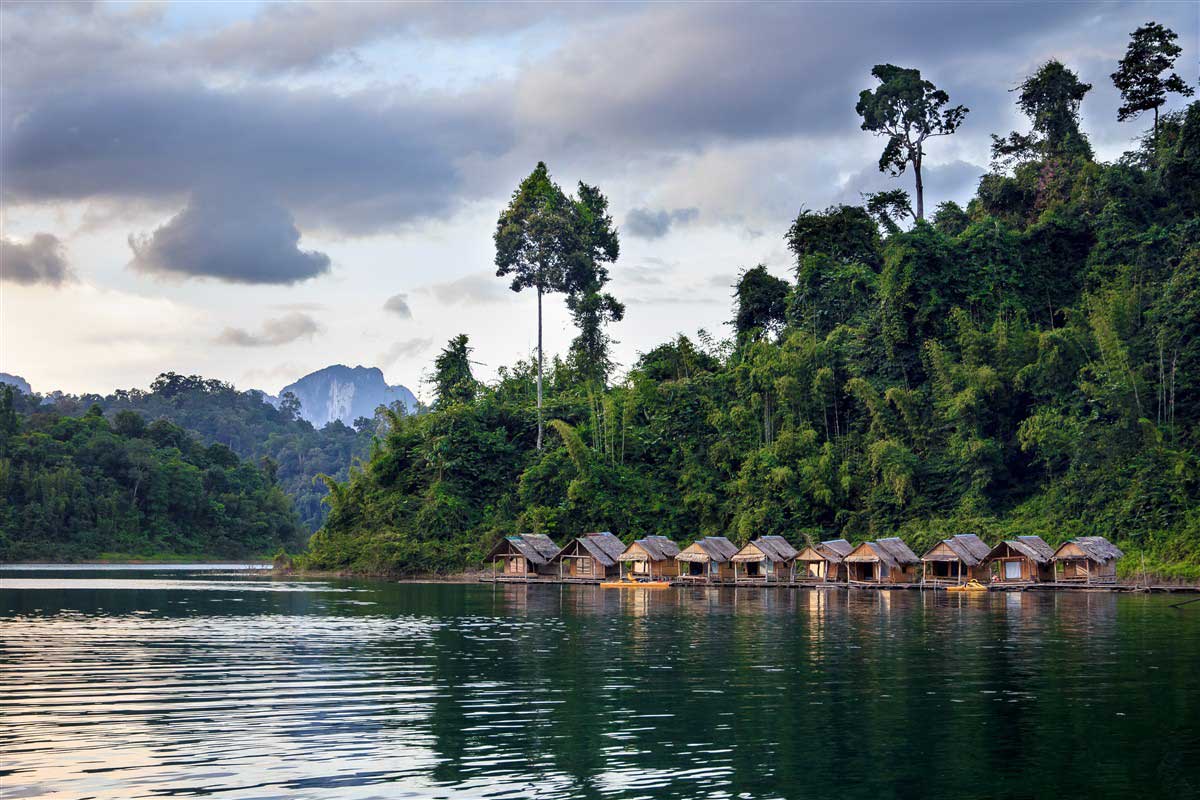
<point>593,555</point>
<point>1025,559</point>
<point>1086,559</point>
<point>822,562</point>
<point>707,560</point>
<point>524,555</point>
<point>652,557</point>
<point>956,560</point>
<point>882,561</point>
<point>767,559</point>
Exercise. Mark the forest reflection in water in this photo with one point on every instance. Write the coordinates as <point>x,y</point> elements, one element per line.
<point>147,685</point>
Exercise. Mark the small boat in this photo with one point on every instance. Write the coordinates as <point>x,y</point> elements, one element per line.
<point>632,584</point>
<point>970,586</point>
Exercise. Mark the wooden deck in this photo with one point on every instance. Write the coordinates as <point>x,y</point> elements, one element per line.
<point>729,583</point>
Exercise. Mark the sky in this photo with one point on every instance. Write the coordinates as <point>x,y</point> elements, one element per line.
<point>252,191</point>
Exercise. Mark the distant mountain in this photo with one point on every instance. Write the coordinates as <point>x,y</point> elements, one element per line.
<point>345,393</point>
<point>20,384</point>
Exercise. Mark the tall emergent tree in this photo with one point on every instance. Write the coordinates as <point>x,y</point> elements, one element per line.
<point>452,378</point>
<point>907,110</point>
<point>1050,98</point>
<point>537,244</point>
<point>590,306</point>
<point>1152,51</point>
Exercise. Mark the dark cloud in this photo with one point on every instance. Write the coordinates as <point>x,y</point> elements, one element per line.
<point>40,260</point>
<point>229,237</point>
<point>646,223</point>
<point>475,289</point>
<point>405,348</point>
<point>282,330</point>
<point>398,305</point>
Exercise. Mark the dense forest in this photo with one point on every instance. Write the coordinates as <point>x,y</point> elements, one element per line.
<point>83,487</point>
<point>217,413</point>
<point>1027,364</point>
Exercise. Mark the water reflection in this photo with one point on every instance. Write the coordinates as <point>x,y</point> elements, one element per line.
<point>340,689</point>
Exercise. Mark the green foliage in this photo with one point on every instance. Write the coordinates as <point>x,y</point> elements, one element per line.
<point>1050,98</point>
<point>761,303</point>
<point>1139,76</point>
<point>452,378</point>
<point>80,487</point>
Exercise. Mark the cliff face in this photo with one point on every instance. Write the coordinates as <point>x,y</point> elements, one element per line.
<point>346,393</point>
<point>19,383</point>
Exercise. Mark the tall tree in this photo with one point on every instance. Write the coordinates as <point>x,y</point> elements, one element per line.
<point>536,243</point>
<point>591,307</point>
<point>1050,98</point>
<point>452,378</point>
<point>907,110</point>
<point>761,303</point>
<point>1151,52</point>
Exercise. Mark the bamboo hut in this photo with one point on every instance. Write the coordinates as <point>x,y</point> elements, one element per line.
<point>707,560</point>
<point>955,560</point>
<point>591,556</point>
<point>652,557</point>
<point>822,562</point>
<point>1086,559</point>
<point>524,556</point>
<point>882,561</point>
<point>1025,559</point>
<point>767,559</point>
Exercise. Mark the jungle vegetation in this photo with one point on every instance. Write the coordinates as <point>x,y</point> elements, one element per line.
<point>1028,364</point>
<point>83,487</point>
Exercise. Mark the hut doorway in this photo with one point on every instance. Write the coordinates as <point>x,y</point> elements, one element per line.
<point>696,568</point>
<point>753,569</point>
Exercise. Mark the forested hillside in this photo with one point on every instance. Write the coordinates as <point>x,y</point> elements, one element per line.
<point>1028,364</point>
<point>82,487</point>
<point>219,414</point>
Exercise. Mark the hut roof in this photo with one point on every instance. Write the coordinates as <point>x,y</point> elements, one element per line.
<point>659,548</point>
<point>892,551</point>
<point>1033,548</point>
<point>965,547</point>
<point>537,548</point>
<point>1097,548</point>
<point>710,548</point>
<point>834,550</point>
<point>772,548</point>
<point>605,547</point>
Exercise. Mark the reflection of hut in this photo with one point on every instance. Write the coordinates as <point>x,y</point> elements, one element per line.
<point>652,557</point>
<point>882,561</point>
<point>767,559</point>
<point>524,555</point>
<point>1086,559</point>
<point>822,563</point>
<point>707,560</point>
<point>593,555</point>
<point>1025,559</point>
<point>955,560</point>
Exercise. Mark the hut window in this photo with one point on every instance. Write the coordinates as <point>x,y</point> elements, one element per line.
<point>1012,570</point>
<point>814,569</point>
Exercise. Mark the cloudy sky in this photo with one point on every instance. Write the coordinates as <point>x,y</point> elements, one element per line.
<point>251,191</point>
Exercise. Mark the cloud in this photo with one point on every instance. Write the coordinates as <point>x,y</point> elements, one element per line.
<point>405,348</point>
<point>231,237</point>
<point>40,260</point>
<point>956,181</point>
<point>474,289</point>
<point>398,305</point>
<point>275,332</point>
<point>645,223</point>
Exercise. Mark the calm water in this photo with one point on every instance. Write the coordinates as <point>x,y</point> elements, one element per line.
<point>170,683</point>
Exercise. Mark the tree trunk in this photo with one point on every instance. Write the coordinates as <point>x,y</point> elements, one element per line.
<point>920,186</point>
<point>539,378</point>
<point>1156,129</point>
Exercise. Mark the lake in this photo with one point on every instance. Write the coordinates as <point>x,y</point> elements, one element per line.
<point>175,681</point>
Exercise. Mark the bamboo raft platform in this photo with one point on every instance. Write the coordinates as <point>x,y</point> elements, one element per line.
<point>927,587</point>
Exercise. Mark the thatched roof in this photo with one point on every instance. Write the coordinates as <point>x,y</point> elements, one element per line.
<point>603,546</point>
<point>893,552</point>
<point>538,548</point>
<point>1096,548</point>
<point>710,548</point>
<point>1032,547</point>
<point>965,547</point>
<point>658,548</point>
<point>769,548</point>
<point>834,550</point>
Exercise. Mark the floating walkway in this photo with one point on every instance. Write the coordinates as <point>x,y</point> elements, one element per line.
<point>680,583</point>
